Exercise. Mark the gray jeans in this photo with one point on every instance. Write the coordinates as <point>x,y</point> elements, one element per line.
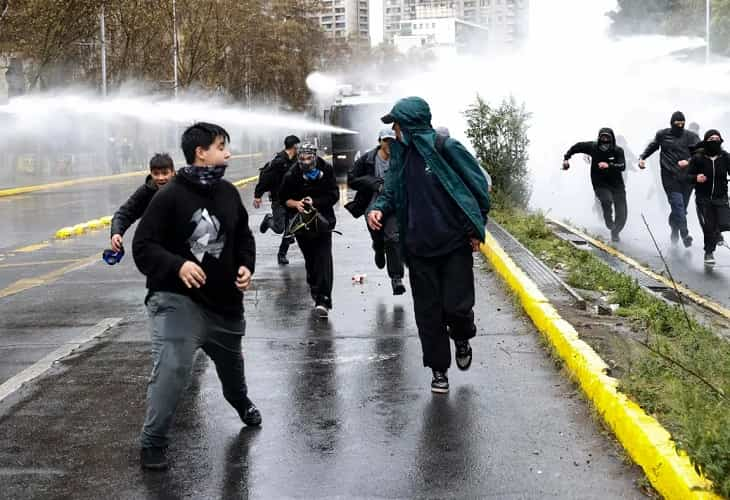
<point>178,327</point>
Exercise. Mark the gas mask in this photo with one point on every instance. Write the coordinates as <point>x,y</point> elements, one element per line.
<point>308,162</point>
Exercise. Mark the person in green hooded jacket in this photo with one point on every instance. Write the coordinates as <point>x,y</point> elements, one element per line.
<point>439,194</point>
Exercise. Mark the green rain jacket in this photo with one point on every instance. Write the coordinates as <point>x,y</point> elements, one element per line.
<point>461,176</point>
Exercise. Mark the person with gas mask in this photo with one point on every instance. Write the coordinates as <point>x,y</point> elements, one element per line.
<point>607,167</point>
<point>309,191</point>
<point>708,172</point>
<point>675,143</point>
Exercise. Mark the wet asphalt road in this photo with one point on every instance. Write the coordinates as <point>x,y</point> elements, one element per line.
<point>35,217</point>
<point>347,405</point>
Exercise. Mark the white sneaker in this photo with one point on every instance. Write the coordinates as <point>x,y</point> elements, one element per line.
<point>321,311</point>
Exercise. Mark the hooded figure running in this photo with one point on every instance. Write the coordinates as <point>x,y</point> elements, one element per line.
<point>607,167</point>
<point>440,197</point>
<point>709,170</point>
<point>675,143</point>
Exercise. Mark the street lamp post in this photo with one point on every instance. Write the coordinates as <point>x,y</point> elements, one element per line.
<point>707,32</point>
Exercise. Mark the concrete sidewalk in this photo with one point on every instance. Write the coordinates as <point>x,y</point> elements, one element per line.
<point>346,404</point>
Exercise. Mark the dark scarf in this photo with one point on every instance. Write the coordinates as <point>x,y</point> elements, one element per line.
<point>206,176</point>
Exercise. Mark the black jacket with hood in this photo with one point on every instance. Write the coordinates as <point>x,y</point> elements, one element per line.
<point>203,223</point>
<point>675,144</point>
<point>323,191</point>
<point>610,177</point>
<point>272,175</point>
<point>716,169</point>
<point>134,207</point>
<point>362,179</point>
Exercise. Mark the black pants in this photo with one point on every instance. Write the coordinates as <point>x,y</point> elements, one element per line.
<point>386,241</point>
<point>317,251</point>
<point>279,224</point>
<point>613,199</point>
<point>443,299</point>
<point>708,216</point>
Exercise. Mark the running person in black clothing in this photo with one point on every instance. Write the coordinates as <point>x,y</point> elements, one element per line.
<point>708,171</point>
<point>311,183</point>
<point>675,143</point>
<point>198,254</point>
<point>161,171</point>
<point>270,180</point>
<point>607,167</point>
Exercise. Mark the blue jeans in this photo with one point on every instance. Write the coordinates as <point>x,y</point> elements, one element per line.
<point>678,202</point>
<point>178,328</point>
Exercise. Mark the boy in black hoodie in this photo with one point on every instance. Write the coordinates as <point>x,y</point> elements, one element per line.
<point>708,171</point>
<point>161,171</point>
<point>311,183</point>
<point>198,253</point>
<point>607,167</point>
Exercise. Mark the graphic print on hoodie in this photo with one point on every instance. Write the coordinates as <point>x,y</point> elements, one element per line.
<point>207,236</point>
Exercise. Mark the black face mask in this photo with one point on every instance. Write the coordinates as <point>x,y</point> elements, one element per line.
<point>604,146</point>
<point>713,148</point>
<point>676,130</point>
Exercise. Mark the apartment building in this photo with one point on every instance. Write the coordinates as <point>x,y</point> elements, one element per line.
<point>345,20</point>
<point>507,21</point>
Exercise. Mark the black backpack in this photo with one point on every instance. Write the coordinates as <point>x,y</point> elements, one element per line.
<point>265,168</point>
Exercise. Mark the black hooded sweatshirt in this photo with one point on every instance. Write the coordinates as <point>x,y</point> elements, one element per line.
<point>610,177</point>
<point>323,191</point>
<point>273,174</point>
<point>716,169</point>
<point>134,207</point>
<point>205,224</point>
<point>675,144</point>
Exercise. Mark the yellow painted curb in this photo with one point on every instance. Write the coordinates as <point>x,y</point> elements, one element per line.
<point>646,441</point>
<point>85,227</point>
<point>245,181</point>
<point>690,294</point>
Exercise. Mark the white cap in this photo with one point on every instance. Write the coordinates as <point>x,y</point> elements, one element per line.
<point>386,133</point>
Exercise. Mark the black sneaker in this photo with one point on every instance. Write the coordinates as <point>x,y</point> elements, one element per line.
<point>398,287</point>
<point>615,237</point>
<point>282,260</point>
<point>153,458</point>
<point>463,354</point>
<point>379,259</point>
<point>251,416</point>
<point>440,383</point>
<point>709,259</point>
<point>687,240</point>
<point>265,223</point>
<point>675,236</point>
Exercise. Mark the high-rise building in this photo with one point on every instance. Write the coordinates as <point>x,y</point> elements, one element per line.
<point>506,20</point>
<point>345,20</point>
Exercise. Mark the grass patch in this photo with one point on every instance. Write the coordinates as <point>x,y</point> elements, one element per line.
<point>696,415</point>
